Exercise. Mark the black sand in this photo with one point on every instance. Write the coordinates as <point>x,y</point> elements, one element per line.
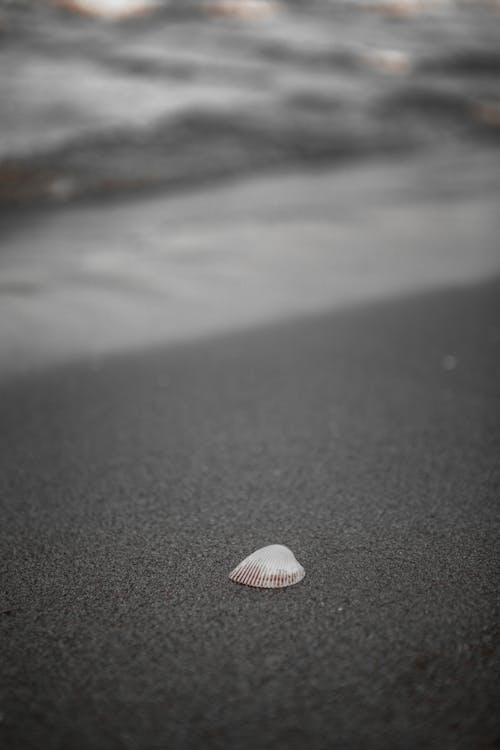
<point>368,441</point>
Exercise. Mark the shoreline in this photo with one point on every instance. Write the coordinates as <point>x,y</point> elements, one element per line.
<point>88,281</point>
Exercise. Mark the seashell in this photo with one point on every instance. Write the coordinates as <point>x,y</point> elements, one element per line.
<point>271,567</point>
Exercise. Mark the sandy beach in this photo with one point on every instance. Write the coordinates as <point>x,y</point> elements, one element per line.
<point>367,440</point>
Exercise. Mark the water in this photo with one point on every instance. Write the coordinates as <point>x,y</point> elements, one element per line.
<point>198,92</point>
<point>209,167</point>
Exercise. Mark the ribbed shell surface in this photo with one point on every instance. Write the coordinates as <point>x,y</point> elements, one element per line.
<point>271,567</point>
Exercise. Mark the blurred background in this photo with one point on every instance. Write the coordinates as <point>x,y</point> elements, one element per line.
<point>170,167</point>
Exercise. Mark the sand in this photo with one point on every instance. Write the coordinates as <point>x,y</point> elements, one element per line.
<point>367,440</point>
<point>87,280</point>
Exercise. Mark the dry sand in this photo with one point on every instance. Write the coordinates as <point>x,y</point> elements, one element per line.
<point>366,440</point>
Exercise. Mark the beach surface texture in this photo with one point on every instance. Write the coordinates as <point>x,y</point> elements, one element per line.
<point>367,441</point>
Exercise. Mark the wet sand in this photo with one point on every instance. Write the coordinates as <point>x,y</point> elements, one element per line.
<point>367,440</point>
<point>84,281</point>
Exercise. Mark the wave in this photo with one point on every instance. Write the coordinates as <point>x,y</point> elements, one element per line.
<point>314,87</point>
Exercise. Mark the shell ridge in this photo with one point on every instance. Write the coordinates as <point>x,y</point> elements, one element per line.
<point>274,566</point>
<point>257,575</point>
<point>252,571</point>
<point>245,573</point>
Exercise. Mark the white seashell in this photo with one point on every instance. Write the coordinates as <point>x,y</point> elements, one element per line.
<point>271,567</point>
